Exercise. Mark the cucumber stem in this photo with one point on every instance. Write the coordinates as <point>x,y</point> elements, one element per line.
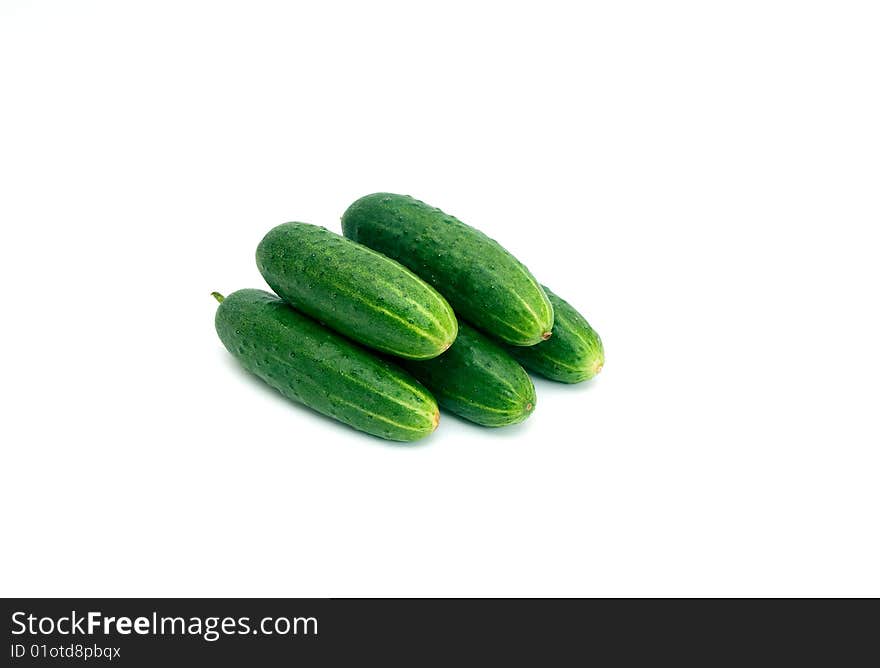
<point>218,296</point>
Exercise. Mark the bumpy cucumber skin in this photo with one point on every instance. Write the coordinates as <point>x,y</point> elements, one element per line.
<point>356,291</point>
<point>477,380</point>
<point>485,284</point>
<point>308,363</point>
<point>573,354</point>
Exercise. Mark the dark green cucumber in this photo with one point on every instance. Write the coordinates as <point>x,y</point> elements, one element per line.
<point>308,363</point>
<point>477,380</point>
<point>573,354</point>
<point>485,284</point>
<point>356,291</point>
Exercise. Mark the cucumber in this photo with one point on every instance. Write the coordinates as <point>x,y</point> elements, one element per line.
<point>310,364</point>
<point>356,291</point>
<point>484,283</point>
<point>477,380</point>
<point>575,352</point>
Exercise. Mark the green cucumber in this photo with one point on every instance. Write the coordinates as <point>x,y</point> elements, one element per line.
<point>356,291</point>
<point>484,283</point>
<point>572,355</point>
<point>477,380</point>
<point>310,364</point>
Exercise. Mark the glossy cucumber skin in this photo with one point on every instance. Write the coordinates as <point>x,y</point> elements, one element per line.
<point>356,291</point>
<point>484,283</point>
<point>477,380</point>
<point>310,364</point>
<point>573,354</point>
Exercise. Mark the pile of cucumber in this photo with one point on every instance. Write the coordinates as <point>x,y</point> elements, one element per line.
<point>411,308</point>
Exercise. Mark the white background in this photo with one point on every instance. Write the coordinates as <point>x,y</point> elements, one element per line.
<point>700,179</point>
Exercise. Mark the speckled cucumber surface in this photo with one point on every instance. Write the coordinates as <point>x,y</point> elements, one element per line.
<point>477,380</point>
<point>356,291</point>
<point>485,284</point>
<point>573,354</point>
<point>310,364</point>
